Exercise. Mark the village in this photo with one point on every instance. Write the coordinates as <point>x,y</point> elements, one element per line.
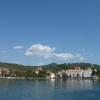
<point>75,73</point>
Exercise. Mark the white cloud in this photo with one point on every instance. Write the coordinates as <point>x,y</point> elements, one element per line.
<point>48,53</point>
<point>65,56</point>
<point>18,47</point>
<point>70,57</point>
<point>40,50</point>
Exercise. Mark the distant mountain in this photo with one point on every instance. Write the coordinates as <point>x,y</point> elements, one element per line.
<point>51,65</point>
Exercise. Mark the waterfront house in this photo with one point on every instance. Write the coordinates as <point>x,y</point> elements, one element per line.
<point>77,72</point>
<point>74,73</point>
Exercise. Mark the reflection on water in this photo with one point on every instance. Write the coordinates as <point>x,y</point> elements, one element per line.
<point>67,84</point>
<point>72,84</point>
<point>49,89</point>
<point>78,84</point>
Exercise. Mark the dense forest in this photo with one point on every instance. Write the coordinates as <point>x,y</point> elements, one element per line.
<point>29,71</point>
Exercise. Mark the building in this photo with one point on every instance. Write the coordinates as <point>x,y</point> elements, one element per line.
<point>77,72</point>
<point>4,71</point>
<point>74,73</point>
<point>52,75</point>
<point>87,73</point>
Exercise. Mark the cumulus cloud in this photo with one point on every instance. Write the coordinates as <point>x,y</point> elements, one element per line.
<point>18,47</point>
<point>47,52</point>
<point>40,50</point>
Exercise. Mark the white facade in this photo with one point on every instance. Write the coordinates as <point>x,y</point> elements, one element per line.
<point>74,72</point>
<point>52,75</point>
<point>77,72</point>
<point>87,73</point>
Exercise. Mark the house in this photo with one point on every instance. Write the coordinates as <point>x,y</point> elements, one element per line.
<point>4,71</point>
<point>77,72</point>
<point>74,73</point>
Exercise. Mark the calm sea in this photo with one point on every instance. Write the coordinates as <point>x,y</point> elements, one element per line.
<point>49,89</point>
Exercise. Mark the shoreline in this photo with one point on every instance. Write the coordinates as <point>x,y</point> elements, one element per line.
<point>30,78</point>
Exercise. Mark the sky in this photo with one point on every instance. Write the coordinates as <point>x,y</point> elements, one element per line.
<point>37,32</point>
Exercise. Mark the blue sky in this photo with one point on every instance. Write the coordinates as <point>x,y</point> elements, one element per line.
<point>36,32</point>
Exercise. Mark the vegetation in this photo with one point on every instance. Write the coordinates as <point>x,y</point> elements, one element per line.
<point>16,70</point>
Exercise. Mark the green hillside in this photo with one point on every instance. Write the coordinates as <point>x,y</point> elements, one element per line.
<point>29,71</point>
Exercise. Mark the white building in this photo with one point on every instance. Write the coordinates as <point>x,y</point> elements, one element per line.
<point>78,73</point>
<point>87,73</point>
<point>52,75</point>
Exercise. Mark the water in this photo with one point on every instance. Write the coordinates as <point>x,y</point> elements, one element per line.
<point>49,89</point>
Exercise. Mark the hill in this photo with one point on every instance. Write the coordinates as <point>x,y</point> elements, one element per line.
<point>28,71</point>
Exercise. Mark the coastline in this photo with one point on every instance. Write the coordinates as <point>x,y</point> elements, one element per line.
<point>30,78</point>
